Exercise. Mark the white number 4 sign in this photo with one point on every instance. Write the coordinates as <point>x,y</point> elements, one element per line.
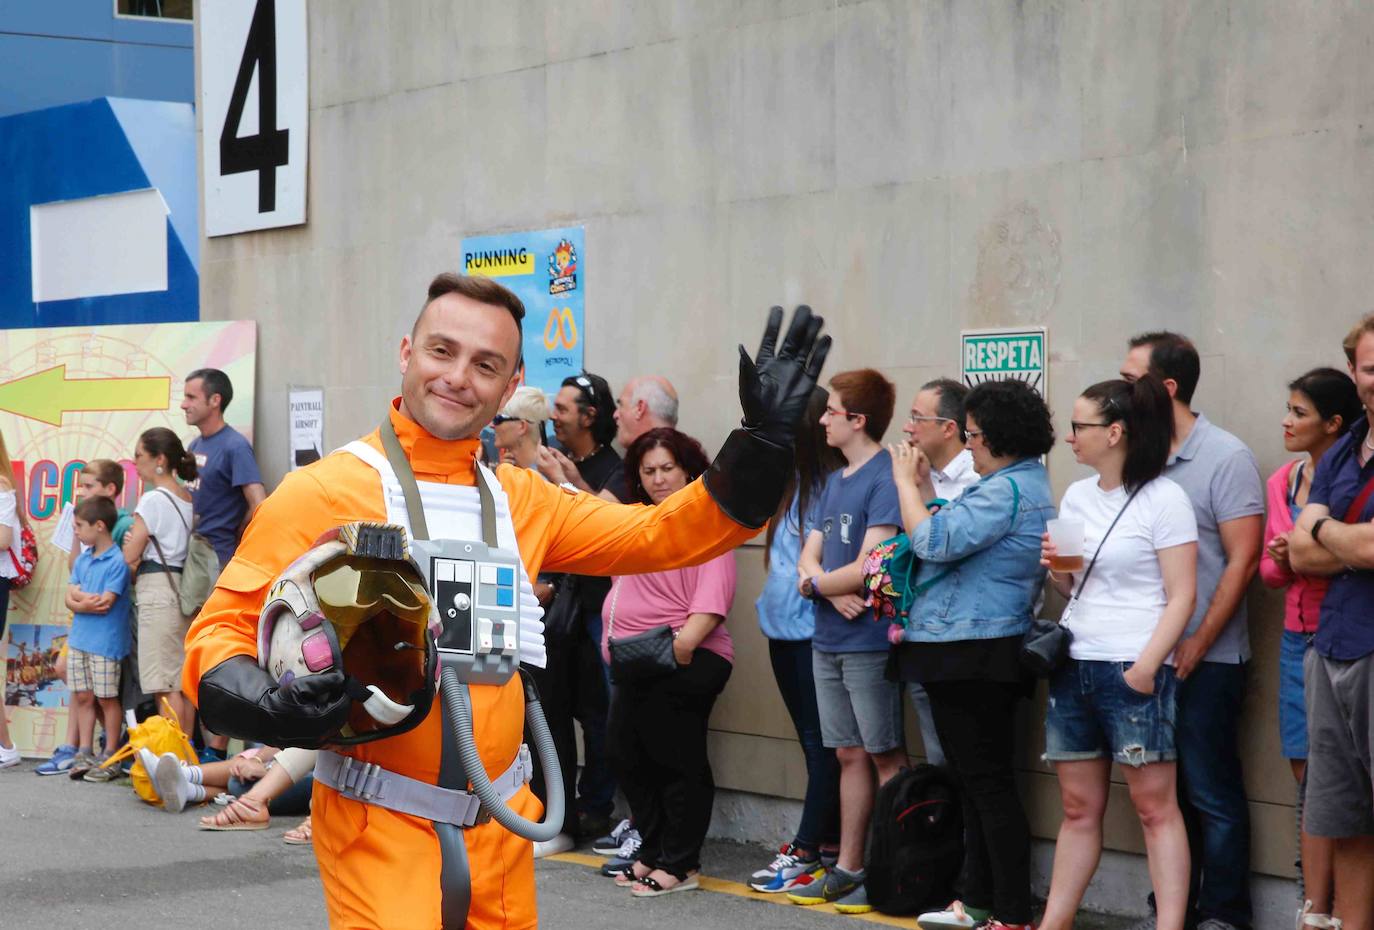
<point>254,63</point>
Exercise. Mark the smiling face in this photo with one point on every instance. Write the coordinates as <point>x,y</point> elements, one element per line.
<point>459,367</point>
<point>570,422</point>
<point>660,474</point>
<point>1363,370</point>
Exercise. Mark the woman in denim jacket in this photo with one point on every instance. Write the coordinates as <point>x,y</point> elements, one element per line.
<point>979,578</point>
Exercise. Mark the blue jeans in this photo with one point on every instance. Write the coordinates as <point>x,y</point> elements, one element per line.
<point>1211,791</point>
<point>820,820</point>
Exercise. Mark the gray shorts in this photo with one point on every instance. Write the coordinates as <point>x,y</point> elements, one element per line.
<point>858,705</point>
<point>1340,754</point>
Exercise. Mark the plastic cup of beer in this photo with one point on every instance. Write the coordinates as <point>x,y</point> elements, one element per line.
<point>1067,536</point>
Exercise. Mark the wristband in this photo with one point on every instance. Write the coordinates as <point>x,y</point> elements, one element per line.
<point>1317,527</point>
<point>815,591</point>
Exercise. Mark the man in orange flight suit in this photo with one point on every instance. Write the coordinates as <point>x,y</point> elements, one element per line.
<point>460,364</point>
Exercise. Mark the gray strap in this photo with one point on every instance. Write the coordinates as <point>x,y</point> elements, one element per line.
<point>415,510</point>
<point>372,784</point>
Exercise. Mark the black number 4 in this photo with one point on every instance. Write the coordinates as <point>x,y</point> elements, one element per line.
<point>267,150</point>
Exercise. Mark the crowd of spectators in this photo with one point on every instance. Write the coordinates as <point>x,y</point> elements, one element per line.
<point>1172,519</point>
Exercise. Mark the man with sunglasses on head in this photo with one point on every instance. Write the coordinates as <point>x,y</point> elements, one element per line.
<point>382,867</point>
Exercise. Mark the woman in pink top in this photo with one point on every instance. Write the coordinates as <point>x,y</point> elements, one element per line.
<point>656,729</point>
<point>1322,405</point>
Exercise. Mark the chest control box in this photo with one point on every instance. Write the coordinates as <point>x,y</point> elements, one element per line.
<point>476,591</point>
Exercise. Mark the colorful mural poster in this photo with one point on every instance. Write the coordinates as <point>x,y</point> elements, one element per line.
<point>68,396</point>
<point>547,269</point>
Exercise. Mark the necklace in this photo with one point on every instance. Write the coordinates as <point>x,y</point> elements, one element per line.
<point>580,459</point>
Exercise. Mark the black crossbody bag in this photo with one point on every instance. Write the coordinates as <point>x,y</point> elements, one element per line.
<point>641,656</point>
<point>1046,646</point>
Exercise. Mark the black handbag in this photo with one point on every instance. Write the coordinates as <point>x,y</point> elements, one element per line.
<point>1045,648</point>
<point>642,656</point>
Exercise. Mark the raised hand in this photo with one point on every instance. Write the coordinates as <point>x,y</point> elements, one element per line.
<point>776,384</point>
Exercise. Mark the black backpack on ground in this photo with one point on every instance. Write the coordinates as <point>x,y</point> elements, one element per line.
<point>915,841</point>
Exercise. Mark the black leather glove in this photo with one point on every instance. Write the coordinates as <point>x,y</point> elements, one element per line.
<point>240,699</point>
<point>751,471</point>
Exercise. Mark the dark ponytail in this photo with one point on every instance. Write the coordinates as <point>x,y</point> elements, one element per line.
<point>160,441</point>
<point>1145,409</point>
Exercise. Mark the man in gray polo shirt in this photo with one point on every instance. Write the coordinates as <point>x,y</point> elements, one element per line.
<point>1223,480</point>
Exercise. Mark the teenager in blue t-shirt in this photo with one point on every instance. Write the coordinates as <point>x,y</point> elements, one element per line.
<point>860,710</point>
<point>228,487</point>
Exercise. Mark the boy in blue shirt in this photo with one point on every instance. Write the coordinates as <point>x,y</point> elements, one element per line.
<point>98,597</point>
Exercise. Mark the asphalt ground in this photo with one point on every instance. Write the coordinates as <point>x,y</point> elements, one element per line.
<point>80,855</point>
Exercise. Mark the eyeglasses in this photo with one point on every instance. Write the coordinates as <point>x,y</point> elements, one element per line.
<point>1076,426</point>
<point>832,412</point>
<point>973,433</point>
<point>503,418</point>
<point>922,418</point>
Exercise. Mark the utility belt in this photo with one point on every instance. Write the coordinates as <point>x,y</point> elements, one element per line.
<point>369,783</point>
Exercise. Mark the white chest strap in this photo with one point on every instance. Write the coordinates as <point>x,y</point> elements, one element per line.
<point>455,512</point>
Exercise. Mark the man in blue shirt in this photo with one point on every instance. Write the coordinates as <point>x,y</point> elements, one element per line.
<point>1222,479</point>
<point>860,709</point>
<point>1334,537</point>
<point>229,487</point>
<point>98,597</point>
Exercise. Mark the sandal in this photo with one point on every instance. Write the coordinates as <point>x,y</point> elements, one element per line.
<point>648,887</point>
<point>628,878</point>
<point>238,814</point>
<point>299,835</point>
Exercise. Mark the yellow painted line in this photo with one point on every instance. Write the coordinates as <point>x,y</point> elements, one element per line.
<point>741,890</point>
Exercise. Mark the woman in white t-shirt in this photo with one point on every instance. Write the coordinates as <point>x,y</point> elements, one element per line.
<point>1114,699</point>
<point>155,550</point>
<point>11,530</point>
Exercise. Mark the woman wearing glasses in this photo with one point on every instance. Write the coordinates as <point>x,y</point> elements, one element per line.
<point>979,576</point>
<point>1113,701</point>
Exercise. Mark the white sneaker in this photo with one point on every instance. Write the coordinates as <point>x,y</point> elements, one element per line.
<point>171,783</point>
<point>559,844</point>
<point>149,760</point>
<point>9,757</point>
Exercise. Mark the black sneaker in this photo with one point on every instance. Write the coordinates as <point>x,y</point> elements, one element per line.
<point>610,844</point>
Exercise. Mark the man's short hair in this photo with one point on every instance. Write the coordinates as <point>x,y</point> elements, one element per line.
<point>951,402</point>
<point>867,391</point>
<point>213,381</point>
<point>98,510</point>
<point>1357,332</point>
<point>1173,358</point>
<point>484,291</point>
<point>661,404</point>
<point>106,471</point>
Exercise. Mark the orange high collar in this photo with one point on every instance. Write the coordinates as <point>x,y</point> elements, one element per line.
<point>443,461</point>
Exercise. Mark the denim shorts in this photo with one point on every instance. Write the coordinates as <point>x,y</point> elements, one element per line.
<point>1292,704</point>
<point>1094,714</point>
<point>858,705</point>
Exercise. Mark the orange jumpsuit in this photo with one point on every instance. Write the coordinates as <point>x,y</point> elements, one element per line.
<point>380,869</point>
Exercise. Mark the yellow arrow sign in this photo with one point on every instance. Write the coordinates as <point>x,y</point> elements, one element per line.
<point>47,395</point>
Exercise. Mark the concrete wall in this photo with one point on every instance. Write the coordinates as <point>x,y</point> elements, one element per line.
<point>907,168</point>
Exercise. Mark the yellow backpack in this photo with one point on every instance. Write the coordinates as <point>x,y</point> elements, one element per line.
<point>157,734</point>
